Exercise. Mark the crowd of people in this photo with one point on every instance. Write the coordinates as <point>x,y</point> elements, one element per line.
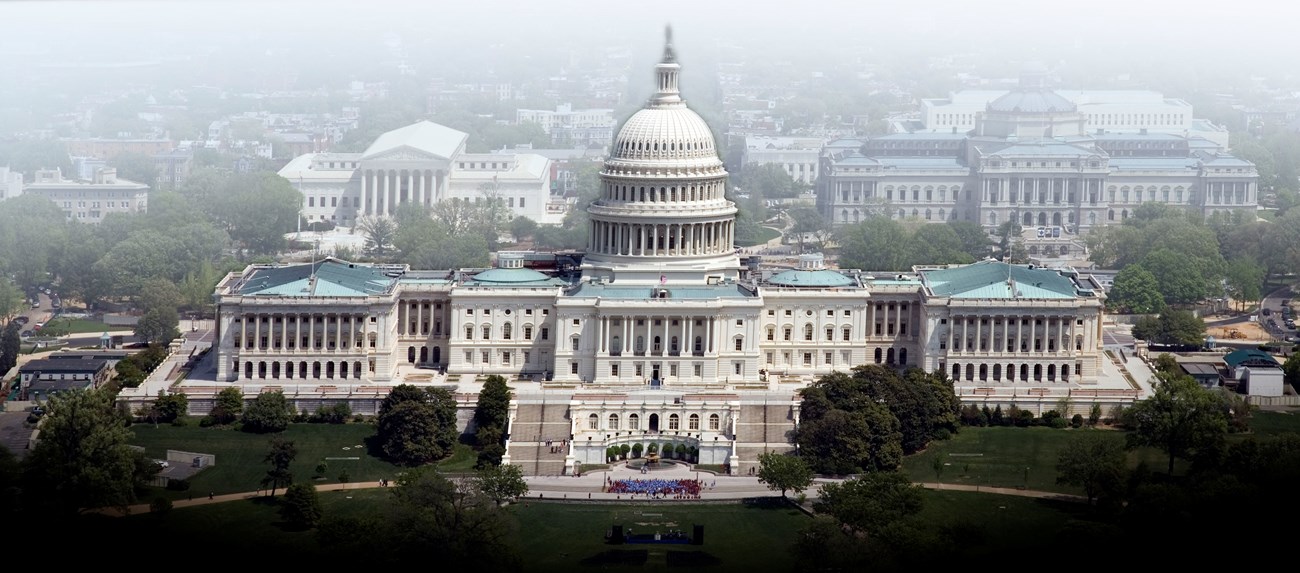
<point>657,488</point>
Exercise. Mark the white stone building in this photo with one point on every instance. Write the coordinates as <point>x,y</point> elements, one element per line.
<point>1031,156</point>
<point>567,126</point>
<point>422,163</point>
<point>800,157</point>
<point>90,201</point>
<point>657,333</point>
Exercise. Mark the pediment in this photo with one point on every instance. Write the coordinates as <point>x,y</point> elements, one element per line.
<point>405,153</point>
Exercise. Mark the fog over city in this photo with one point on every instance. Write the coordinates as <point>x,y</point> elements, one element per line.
<point>1201,37</point>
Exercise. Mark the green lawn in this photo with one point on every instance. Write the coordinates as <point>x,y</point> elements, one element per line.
<point>239,466</point>
<point>569,537</point>
<point>82,326</point>
<point>1271,422</point>
<point>761,235</point>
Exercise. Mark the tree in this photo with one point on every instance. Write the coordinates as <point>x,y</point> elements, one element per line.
<point>82,459</point>
<point>878,244</point>
<point>136,167</point>
<point>522,228</point>
<point>871,502</point>
<point>808,223</point>
<point>256,210</point>
<point>1180,417</point>
<point>229,405</point>
<point>1290,370</point>
<point>168,407</point>
<point>380,233</point>
<point>301,506</point>
<point>490,416</point>
<point>1094,461</point>
<point>10,345</point>
<point>268,413</point>
<point>416,425</point>
<point>1171,327</point>
<point>1245,280</point>
<point>280,456</point>
<point>1136,290</point>
<point>12,300</point>
<point>784,472</point>
<point>1183,279</point>
<point>501,482</point>
<point>159,326</point>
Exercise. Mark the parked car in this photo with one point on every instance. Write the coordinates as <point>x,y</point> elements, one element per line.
<point>21,319</point>
<point>25,334</point>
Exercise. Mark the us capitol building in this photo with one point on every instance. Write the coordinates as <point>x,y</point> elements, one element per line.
<point>659,332</point>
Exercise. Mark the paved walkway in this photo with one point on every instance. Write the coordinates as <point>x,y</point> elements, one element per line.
<point>590,486</point>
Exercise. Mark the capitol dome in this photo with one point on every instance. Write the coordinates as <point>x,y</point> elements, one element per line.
<point>663,216</point>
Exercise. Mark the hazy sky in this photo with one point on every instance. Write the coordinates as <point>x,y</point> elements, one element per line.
<point>1221,33</point>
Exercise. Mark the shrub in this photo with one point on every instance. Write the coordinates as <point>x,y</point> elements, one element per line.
<point>344,477</point>
<point>321,468</point>
<point>1058,423</point>
<point>1025,419</point>
<point>178,484</point>
<point>942,434</point>
<point>1077,421</point>
<point>636,450</point>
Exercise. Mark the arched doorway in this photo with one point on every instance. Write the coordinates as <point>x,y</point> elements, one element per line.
<point>654,423</point>
<point>424,354</point>
<point>437,355</point>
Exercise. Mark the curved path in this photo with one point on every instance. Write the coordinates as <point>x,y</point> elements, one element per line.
<point>590,486</point>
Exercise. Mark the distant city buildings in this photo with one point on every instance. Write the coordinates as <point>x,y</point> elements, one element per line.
<point>90,201</point>
<point>11,183</point>
<point>1038,158</point>
<point>798,156</point>
<point>422,163</point>
<point>581,128</point>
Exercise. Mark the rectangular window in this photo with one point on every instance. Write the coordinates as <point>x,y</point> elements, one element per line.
<point>828,358</point>
<point>638,369</point>
<point>738,323</point>
<point>807,359</point>
<point>699,370</point>
<point>311,201</point>
<point>521,202</point>
<point>484,358</point>
<point>334,201</point>
<point>528,333</point>
<point>613,370</point>
<point>469,356</point>
<point>573,368</point>
<point>737,368</point>
<point>787,333</point>
<point>546,333</point>
<point>505,358</point>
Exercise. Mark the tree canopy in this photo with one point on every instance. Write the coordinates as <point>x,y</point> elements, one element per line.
<point>416,425</point>
<point>1180,327</point>
<point>784,472</point>
<point>1180,417</point>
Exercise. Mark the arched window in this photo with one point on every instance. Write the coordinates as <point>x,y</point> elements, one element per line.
<point>674,422</point>
<point>878,354</point>
<point>902,356</point>
<point>505,331</point>
<point>997,372</point>
<point>808,331</point>
<point>410,355</point>
<point>693,423</point>
<point>633,422</point>
<point>593,422</point>
<point>956,371</point>
<point>613,421</point>
<point>469,332</point>
<point>715,422</point>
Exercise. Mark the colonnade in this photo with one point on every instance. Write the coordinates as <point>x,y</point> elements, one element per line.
<point>664,194</point>
<point>621,334</point>
<point>301,332</point>
<point>1041,190</point>
<point>671,239</point>
<point>420,317</point>
<point>382,190</point>
<point>1016,333</point>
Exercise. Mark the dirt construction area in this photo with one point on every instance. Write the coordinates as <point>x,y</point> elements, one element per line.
<point>1246,330</point>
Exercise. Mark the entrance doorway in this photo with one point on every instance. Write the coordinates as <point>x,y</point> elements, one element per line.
<point>654,375</point>
<point>654,422</point>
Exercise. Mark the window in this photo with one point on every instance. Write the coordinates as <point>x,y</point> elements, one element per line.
<point>484,358</point>
<point>771,333</point>
<point>528,333</point>
<point>807,332</point>
<point>613,421</point>
<point>593,422</point>
<point>693,423</point>
<point>545,333</point>
<point>828,359</point>
<point>469,333</point>
<point>737,368</point>
<point>830,334</point>
<point>807,359</point>
<point>740,343</point>
<point>613,370</point>
<point>633,422</point>
<point>787,333</point>
<point>674,422</point>
<point>505,358</point>
<point>573,368</point>
<point>505,331</point>
<point>487,332</point>
<point>573,343</point>
<point>714,422</point>
<point>847,334</point>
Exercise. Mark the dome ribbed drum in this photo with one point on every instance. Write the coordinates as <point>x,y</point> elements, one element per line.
<point>662,215</point>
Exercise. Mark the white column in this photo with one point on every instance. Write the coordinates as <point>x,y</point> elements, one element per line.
<point>365,200</point>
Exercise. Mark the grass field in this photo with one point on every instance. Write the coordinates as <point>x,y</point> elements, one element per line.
<point>752,536</point>
<point>239,466</point>
<point>82,326</point>
<point>762,235</point>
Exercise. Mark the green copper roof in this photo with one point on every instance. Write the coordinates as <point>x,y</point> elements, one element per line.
<point>1250,357</point>
<point>999,280</point>
<point>819,278</point>
<point>331,277</point>
<point>512,277</point>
